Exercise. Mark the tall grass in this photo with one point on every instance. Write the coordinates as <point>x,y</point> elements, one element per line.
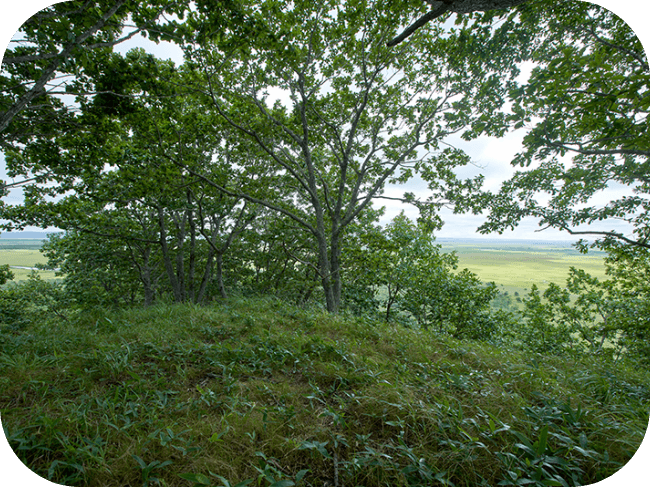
<point>255,391</point>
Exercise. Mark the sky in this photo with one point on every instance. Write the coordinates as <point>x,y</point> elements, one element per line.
<point>491,155</point>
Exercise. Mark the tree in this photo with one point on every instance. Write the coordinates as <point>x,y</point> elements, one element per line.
<point>402,268</point>
<point>545,328</point>
<point>437,295</point>
<point>276,257</point>
<point>356,115</point>
<point>97,271</point>
<point>598,316</point>
<point>128,196</point>
<point>585,111</point>
<point>628,269</point>
<point>63,53</point>
<point>387,263</point>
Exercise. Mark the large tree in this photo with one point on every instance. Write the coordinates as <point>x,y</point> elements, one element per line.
<point>61,57</point>
<point>122,189</point>
<point>352,115</point>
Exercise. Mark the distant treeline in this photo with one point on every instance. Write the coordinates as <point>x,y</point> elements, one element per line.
<point>21,243</point>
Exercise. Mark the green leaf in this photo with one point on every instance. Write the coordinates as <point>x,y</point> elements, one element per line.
<point>300,475</point>
<point>199,479</point>
<point>244,483</point>
<point>541,442</point>
<point>283,483</point>
<point>140,461</point>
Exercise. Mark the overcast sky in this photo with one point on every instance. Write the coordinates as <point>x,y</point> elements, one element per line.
<point>491,155</point>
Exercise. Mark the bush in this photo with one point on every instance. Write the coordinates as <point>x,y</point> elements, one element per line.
<point>5,274</point>
<point>13,304</point>
<point>22,303</point>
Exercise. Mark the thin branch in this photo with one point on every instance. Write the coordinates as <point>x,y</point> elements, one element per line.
<point>245,196</point>
<point>635,55</point>
<point>617,235</point>
<point>298,259</point>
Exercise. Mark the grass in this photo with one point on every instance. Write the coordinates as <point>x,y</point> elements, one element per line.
<point>23,275</point>
<point>258,390</point>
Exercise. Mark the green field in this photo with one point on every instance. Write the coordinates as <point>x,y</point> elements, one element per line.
<point>24,257</point>
<point>515,267</point>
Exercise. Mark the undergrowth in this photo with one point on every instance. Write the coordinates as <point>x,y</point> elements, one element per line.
<point>259,392</point>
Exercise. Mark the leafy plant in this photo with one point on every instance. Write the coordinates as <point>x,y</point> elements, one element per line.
<point>147,468</point>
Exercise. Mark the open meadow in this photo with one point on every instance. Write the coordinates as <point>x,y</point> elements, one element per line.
<point>23,257</point>
<point>516,265</point>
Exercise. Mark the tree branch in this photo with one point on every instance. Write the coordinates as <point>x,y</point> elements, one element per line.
<point>7,116</point>
<point>426,18</point>
<point>617,235</point>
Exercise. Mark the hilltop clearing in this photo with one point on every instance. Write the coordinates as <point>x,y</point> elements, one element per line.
<point>255,389</point>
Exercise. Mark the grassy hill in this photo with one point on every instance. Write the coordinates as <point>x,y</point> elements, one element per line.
<point>259,390</point>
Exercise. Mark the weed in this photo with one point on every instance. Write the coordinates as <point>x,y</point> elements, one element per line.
<point>146,469</point>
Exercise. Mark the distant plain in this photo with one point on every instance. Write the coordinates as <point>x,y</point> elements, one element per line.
<point>25,257</point>
<point>516,266</point>
<point>513,265</point>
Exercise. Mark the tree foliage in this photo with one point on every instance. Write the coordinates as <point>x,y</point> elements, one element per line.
<point>404,273</point>
<point>355,116</point>
<point>584,107</point>
<point>53,50</point>
<point>438,8</point>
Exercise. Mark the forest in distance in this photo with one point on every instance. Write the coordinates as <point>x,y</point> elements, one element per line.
<point>225,302</point>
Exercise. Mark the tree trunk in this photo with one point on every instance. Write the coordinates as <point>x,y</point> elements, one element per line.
<point>169,266</point>
<point>145,278</point>
<point>180,257</point>
<point>335,269</point>
<point>329,263</point>
<point>326,274</point>
<point>392,296</point>
<point>207,274</point>
<point>192,264</point>
<point>222,288</point>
